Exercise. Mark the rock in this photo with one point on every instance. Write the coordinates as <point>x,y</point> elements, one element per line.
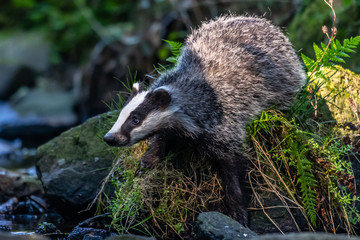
<point>22,53</point>
<point>46,227</point>
<point>79,233</point>
<point>92,237</point>
<point>5,228</point>
<point>305,236</point>
<point>130,237</point>
<point>343,94</point>
<point>215,225</point>
<point>29,207</point>
<point>72,166</point>
<point>100,221</point>
<point>260,223</point>
<point>14,77</point>
<point>9,206</point>
<point>14,184</point>
<point>25,49</point>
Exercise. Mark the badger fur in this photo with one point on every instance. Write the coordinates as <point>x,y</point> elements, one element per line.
<point>230,69</point>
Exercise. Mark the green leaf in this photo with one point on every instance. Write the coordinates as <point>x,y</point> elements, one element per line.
<point>342,54</point>
<point>337,59</point>
<point>172,59</point>
<point>318,51</point>
<point>323,45</point>
<point>338,44</point>
<point>307,61</point>
<point>175,47</point>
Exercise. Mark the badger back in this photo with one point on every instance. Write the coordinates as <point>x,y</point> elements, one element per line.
<point>246,60</point>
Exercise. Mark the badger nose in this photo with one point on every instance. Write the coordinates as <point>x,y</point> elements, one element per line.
<point>109,138</point>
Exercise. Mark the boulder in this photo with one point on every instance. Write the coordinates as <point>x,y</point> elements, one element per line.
<point>342,93</point>
<point>260,223</point>
<point>29,49</point>
<point>14,77</point>
<point>215,225</point>
<point>22,54</point>
<point>72,166</point>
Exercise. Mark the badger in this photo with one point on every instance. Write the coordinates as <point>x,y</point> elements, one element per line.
<point>229,70</point>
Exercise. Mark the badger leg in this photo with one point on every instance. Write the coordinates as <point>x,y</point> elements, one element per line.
<point>155,151</point>
<point>235,199</point>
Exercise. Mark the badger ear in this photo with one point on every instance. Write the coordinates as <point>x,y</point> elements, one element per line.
<point>136,88</point>
<point>160,97</point>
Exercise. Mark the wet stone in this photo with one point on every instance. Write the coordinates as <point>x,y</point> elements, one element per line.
<point>215,225</point>
<point>78,233</point>
<point>91,237</point>
<point>5,228</point>
<point>29,206</point>
<point>46,227</point>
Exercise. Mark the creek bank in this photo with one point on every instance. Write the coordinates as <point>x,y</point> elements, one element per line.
<point>71,158</point>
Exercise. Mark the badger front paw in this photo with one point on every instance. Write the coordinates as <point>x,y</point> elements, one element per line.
<point>153,154</point>
<point>148,161</point>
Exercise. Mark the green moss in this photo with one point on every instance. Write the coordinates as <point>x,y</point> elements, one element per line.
<point>80,143</point>
<point>342,85</point>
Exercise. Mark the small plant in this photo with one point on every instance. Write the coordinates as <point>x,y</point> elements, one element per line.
<point>128,201</point>
<point>175,49</point>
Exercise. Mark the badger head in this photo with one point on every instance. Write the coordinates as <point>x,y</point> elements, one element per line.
<point>144,114</point>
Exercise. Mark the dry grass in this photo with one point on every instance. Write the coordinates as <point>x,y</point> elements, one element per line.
<point>175,196</point>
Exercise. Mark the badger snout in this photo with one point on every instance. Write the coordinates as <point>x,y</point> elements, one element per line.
<point>115,140</point>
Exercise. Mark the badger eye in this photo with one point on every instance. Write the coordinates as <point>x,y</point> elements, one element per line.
<point>135,121</point>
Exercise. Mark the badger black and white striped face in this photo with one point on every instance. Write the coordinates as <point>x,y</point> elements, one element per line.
<point>145,113</point>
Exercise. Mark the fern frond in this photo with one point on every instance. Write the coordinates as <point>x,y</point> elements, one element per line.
<point>306,178</point>
<point>307,61</point>
<point>328,56</point>
<point>175,48</point>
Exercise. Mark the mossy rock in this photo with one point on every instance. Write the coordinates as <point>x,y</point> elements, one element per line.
<point>343,94</point>
<point>72,166</point>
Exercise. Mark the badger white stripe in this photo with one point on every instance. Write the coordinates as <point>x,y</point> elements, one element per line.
<point>125,112</point>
